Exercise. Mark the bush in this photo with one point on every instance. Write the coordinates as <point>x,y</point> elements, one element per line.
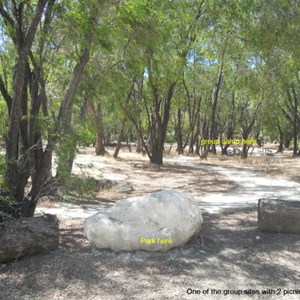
<point>80,186</point>
<point>84,185</point>
<point>84,135</point>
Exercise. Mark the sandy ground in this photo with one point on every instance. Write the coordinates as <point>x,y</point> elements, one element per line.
<point>229,259</point>
<point>274,165</point>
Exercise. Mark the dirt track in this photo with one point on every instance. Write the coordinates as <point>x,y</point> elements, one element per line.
<point>230,255</point>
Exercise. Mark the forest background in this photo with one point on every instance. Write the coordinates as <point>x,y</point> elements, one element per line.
<point>145,72</point>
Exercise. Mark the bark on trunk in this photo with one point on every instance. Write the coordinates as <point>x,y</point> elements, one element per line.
<point>247,125</point>
<point>22,144</point>
<point>178,132</point>
<point>281,140</point>
<point>157,155</point>
<point>63,124</point>
<point>19,238</point>
<point>121,135</point>
<point>99,148</point>
<point>215,98</point>
<point>161,124</point>
<point>225,149</point>
<point>245,147</point>
<point>295,123</point>
<point>158,114</point>
<point>139,147</point>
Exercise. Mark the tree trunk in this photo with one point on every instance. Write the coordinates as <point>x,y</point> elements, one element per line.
<point>247,125</point>
<point>39,182</point>
<point>99,148</point>
<point>281,140</point>
<point>295,123</point>
<point>246,147</point>
<point>157,155</point>
<point>22,154</point>
<point>244,153</point>
<point>139,147</point>
<point>120,137</point>
<point>178,132</point>
<point>193,108</point>
<point>225,148</point>
<point>96,116</point>
<point>215,98</point>
<point>64,120</point>
<point>161,124</point>
<point>197,150</point>
<point>19,238</point>
<point>158,114</point>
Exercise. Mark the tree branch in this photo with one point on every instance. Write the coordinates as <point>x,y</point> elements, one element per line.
<point>5,94</point>
<point>7,18</point>
<point>72,88</point>
<point>34,23</point>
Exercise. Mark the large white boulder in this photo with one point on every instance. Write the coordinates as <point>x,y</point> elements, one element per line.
<point>156,222</point>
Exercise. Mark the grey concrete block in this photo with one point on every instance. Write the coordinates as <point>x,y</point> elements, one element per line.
<point>279,215</point>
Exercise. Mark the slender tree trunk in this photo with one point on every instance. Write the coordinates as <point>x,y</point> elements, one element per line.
<point>197,150</point>
<point>247,125</point>
<point>178,133</point>
<point>63,125</point>
<point>120,138</point>
<point>193,108</point>
<point>225,149</point>
<point>245,149</point>
<point>99,147</point>
<point>158,114</point>
<point>295,123</point>
<point>161,125</point>
<point>18,147</point>
<point>138,144</point>
<point>281,140</point>
<point>119,144</point>
<point>215,98</point>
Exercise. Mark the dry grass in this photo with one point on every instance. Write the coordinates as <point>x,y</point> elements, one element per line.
<point>229,253</point>
<point>144,177</point>
<point>281,166</point>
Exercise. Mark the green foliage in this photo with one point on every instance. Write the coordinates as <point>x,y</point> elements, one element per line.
<point>3,120</point>
<point>3,185</point>
<point>141,47</point>
<point>85,134</point>
<point>2,164</point>
<point>65,151</point>
<point>82,186</point>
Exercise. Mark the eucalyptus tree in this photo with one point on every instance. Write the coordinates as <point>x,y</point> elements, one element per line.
<point>278,49</point>
<point>179,123</point>
<point>159,33</point>
<point>39,106</point>
<point>95,21</point>
<point>193,83</point>
<point>20,25</point>
<point>81,44</point>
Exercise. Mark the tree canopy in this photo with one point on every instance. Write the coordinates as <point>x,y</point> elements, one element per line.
<point>82,72</point>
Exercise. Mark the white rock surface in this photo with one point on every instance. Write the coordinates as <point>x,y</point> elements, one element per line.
<point>156,222</point>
